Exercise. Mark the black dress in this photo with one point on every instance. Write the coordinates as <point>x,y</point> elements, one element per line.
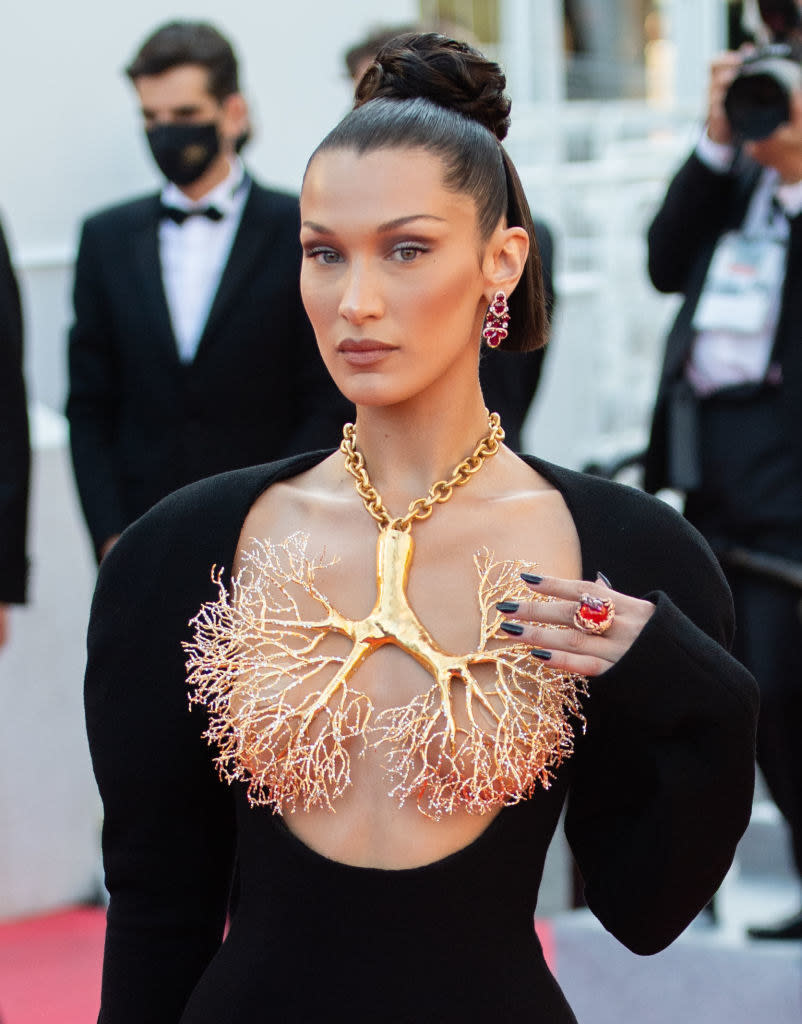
<point>659,792</point>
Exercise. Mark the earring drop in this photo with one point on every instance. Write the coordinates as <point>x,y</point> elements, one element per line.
<point>497,320</point>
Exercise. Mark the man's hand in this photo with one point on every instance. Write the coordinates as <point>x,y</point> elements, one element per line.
<point>783,148</point>
<point>722,73</point>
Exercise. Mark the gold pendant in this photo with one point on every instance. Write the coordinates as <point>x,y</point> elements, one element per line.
<point>459,746</point>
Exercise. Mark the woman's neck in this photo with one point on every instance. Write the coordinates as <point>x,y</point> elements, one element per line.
<point>407,448</point>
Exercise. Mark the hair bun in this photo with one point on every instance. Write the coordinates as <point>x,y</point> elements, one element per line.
<point>442,70</point>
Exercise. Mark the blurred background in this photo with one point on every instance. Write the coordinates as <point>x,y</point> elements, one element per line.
<point>608,95</point>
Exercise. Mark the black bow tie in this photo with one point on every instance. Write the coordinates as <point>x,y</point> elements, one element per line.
<point>179,216</point>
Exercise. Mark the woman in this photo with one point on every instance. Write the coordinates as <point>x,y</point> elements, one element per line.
<point>396,717</point>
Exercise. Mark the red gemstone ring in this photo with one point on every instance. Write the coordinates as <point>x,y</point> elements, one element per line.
<point>593,615</point>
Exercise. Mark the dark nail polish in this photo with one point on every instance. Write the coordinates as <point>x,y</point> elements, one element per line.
<point>529,577</point>
<point>603,579</point>
<point>513,628</point>
<point>508,607</point>
<point>538,652</point>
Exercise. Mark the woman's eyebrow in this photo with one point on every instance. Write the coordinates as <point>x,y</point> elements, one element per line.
<point>389,225</point>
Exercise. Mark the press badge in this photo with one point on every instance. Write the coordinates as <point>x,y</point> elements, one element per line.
<point>742,284</point>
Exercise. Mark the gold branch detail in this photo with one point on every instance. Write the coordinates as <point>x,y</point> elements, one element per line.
<point>465,745</point>
<point>255,663</point>
<point>285,719</point>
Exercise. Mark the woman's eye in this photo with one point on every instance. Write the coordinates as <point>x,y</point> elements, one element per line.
<point>407,253</point>
<point>324,256</point>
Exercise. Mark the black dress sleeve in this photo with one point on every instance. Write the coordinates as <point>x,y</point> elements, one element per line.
<point>168,833</point>
<point>664,775</point>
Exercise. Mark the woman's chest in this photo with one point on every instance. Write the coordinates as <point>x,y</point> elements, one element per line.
<point>341,656</point>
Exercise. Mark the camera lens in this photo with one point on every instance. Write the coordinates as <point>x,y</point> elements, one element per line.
<point>757,104</point>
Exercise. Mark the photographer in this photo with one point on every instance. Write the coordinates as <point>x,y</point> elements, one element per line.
<point>727,427</point>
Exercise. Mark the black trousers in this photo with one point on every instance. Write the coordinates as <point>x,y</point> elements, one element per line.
<point>768,641</point>
<point>751,496</point>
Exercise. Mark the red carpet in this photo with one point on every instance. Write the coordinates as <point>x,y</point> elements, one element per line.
<point>50,967</point>
<point>546,935</point>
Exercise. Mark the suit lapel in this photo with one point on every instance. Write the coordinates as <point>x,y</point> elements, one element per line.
<point>253,234</point>
<point>148,265</point>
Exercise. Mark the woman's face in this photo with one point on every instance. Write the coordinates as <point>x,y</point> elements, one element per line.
<point>392,276</point>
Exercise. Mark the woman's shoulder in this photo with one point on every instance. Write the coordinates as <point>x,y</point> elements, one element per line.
<point>614,509</point>
<point>200,521</point>
<point>643,545</point>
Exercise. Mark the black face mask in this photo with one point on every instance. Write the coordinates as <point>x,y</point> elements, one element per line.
<point>184,152</point>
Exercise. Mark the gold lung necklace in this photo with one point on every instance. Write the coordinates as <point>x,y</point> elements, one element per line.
<point>287,721</point>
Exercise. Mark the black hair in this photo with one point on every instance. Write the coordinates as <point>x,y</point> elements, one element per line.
<point>431,92</point>
<point>189,42</point>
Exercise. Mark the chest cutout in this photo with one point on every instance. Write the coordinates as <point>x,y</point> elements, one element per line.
<point>287,718</point>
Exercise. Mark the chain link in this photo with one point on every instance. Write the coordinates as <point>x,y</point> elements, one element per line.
<point>439,493</point>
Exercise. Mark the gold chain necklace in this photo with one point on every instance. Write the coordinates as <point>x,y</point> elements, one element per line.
<point>285,715</point>
<point>439,493</point>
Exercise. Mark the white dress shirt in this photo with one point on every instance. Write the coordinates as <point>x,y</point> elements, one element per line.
<point>194,254</point>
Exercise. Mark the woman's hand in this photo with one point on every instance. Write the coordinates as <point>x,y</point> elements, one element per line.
<point>573,649</point>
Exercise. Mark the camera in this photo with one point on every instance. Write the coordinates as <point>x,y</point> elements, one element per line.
<point>759,99</point>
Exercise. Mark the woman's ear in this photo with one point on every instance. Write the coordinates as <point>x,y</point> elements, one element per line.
<point>505,259</point>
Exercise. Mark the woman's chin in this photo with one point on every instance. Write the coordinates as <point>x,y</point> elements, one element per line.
<point>361,391</point>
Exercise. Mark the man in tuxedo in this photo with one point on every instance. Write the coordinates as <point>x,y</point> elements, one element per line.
<point>190,352</point>
<point>727,427</point>
<point>15,455</point>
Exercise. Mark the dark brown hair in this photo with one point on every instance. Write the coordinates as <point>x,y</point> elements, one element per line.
<point>367,48</point>
<point>189,42</point>
<point>430,92</point>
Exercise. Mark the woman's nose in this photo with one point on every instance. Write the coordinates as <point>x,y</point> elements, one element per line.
<point>361,300</point>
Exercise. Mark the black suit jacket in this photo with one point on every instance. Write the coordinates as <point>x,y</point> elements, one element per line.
<point>699,207</point>
<point>142,423</point>
<point>510,379</point>
<point>15,455</point>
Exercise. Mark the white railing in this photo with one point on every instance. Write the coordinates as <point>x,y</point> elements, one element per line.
<point>596,172</point>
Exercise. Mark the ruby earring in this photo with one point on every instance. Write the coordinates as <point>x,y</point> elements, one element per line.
<point>497,320</point>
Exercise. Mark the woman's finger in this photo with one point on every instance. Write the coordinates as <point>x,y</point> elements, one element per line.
<point>548,622</point>
<point>627,608</point>
<point>572,590</point>
<point>556,612</point>
<point>569,641</point>
<point>565,661</point>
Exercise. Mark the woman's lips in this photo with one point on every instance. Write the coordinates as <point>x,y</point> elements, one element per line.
<point>363,351</point>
